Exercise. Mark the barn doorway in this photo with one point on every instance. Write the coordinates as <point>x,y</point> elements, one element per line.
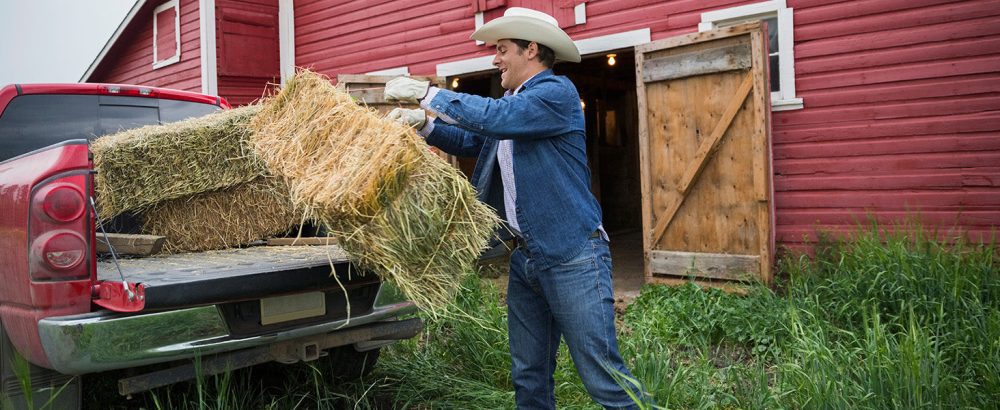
<point>608,95</point>
<point>606,83</point>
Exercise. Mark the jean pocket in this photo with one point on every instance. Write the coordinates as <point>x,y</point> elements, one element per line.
<point>584,259</point>
<point>607,263</point>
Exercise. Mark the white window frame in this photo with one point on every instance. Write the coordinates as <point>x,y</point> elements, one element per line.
<point>785,98</point>
<point>286,38</point>
<point>177,34</point>
<point>206,41</point>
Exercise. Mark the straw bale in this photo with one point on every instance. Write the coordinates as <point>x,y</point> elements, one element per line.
<point>336,156</point>
<point>223,218</point>
<point>395,207</point>
<point>426,239</point>
<point>144,166</point>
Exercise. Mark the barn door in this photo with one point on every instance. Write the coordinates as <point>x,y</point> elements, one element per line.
<point>705,156</point>
<point>367,90</point>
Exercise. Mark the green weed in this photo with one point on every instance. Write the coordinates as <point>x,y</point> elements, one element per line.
<point>880,321</point>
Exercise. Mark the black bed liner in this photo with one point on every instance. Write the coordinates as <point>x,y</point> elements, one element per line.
<point>190,279</point>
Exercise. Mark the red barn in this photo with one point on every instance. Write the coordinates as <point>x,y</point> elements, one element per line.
<point>849,110</point>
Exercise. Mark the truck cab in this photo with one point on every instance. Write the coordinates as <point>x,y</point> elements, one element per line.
<point>68,310</point>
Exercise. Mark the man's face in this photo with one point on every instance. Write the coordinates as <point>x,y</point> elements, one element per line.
<point>512,63</point>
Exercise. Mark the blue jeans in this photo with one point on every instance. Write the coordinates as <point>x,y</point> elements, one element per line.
<point>574,301</point>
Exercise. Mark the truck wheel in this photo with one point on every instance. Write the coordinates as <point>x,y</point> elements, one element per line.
<point>344,363</point>
<point>44,383</point>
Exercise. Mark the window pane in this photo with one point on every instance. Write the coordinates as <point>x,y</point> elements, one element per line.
<point>773,49</point>
<point>31,122</point>
<point>772,34</point>
<point>775,83</point>
<point>115,118</point>
<point>174,110</point>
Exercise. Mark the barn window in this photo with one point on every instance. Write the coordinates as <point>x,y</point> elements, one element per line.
<point>778,18</point>
<point>166,34</point>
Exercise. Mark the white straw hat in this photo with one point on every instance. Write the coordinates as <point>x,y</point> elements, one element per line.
<point>531,25</point>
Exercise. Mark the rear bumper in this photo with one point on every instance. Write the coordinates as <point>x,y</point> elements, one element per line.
<point>105,340</point>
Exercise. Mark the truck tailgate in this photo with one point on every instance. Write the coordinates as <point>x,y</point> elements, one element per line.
<point>229,275</point>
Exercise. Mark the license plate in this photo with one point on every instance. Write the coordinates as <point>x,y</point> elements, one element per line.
<point>291,307</point>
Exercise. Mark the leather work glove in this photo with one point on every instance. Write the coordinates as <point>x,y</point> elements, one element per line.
<point>414,118</point>
<point>405,89</point>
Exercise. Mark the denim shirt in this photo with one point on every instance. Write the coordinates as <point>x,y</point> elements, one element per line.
<point>555,209</point>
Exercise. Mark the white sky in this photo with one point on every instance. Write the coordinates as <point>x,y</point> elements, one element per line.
<point>54,40</point>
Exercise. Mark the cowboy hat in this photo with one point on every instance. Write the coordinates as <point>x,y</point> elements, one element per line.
<point>531,25</point>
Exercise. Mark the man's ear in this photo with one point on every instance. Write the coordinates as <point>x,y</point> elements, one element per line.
<point>532,50</point>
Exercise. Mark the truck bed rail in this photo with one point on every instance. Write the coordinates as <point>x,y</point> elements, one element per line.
<point>192,279</point>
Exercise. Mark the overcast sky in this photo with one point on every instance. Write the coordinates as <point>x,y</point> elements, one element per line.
<point>54,40</point>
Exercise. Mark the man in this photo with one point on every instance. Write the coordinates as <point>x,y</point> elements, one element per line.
<point>532,169</point>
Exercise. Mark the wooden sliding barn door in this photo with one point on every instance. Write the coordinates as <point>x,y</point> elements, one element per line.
<point>705,156</point>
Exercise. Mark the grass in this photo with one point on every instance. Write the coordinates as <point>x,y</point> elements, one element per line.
<point>878,322</point>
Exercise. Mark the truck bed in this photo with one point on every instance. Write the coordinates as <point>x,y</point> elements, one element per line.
<point>190,279</point>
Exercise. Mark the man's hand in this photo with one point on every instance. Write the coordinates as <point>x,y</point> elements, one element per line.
<point>405,89</point>
<point>414,118</point>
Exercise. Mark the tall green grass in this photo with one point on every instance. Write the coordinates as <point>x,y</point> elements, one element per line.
<point>879,321</point>
<point>882,321</point>
<point>894,320</point>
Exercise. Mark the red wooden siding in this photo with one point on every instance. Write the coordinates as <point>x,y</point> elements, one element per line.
<point>901,118</point>
<point>166,34</point>
<point>247,48</point>
<point>130,60</point>
<point>902,97</point>
<point>351,37</point>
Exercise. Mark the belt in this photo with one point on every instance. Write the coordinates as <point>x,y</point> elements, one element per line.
<point>518,242</point>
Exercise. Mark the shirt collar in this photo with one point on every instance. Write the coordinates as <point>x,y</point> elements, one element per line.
<point>539,75</point>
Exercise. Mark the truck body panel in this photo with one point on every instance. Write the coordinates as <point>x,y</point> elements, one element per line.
<point>75,311</point>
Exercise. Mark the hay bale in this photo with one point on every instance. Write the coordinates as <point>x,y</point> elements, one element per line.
<point>337,157</point>
<point>224,218</point>
<point>426,239</point>
<point>395,207</point>
<point>144,166</point>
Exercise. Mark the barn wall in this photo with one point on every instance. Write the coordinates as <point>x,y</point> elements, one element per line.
<point>130,61</point>
<point>902,97</point>
<point>247,48</point>
<point>901,118</point>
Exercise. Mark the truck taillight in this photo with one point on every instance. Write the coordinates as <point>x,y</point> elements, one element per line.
<point>61,250</point>
<point>62,202</point>
<point>60,229</point>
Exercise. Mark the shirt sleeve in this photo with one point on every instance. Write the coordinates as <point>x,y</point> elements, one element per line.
<point>425,103</point>
<point>546,109</point>
<point>455,140</point>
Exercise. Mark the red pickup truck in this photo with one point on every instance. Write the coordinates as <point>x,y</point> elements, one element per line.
<point>70,310</point>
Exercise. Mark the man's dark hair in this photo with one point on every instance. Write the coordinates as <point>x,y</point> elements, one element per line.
<point>545,54</point>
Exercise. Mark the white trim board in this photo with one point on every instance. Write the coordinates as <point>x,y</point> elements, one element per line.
<point>286,38</point>
<point>111,41</point>
<point>479,23</point>
<point>709,19</point>
<point>615,41</point>
<point>404,70</point>
<point>580,13</point>
<point>586,46</point>
<point>172,4</point>
<point>206,32</point>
